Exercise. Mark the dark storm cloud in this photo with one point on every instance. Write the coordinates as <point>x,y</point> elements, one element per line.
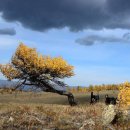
<point>76,14</point>
<point>92,39</point>
<point>7,31</point>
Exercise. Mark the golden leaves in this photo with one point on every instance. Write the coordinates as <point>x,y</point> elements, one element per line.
<point>28,60</point>
<point>9,71</point>
<point>58,67</point>
<point>124,94</point>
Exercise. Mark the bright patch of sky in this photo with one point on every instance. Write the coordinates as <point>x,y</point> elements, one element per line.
<point>104,63</point>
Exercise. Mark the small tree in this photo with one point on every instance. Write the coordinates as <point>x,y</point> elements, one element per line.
<point>42,72</point>
<point>124,95</point>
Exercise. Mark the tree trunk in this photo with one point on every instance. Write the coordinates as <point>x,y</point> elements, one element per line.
<point>70,96</point>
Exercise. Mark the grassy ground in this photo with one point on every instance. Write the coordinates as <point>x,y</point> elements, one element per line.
<point>49,98</point>
<point>42,117</point>
<point>47,111</point>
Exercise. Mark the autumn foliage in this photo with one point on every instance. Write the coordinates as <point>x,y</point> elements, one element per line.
<point>40,72</point>
<point>96,88</point>
<point>26,61</point>
<point>124,95</point>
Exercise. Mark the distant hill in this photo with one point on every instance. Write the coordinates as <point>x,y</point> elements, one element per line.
<point>6,83</point>
<point>11,84</point>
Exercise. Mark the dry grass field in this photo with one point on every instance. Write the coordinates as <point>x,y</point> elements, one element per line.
<point>47,111</point>
<point>49,98</point>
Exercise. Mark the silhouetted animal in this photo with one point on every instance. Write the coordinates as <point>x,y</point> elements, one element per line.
<point>110,100</point>
<point>94,98</point>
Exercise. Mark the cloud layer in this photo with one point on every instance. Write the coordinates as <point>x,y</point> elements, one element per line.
<point>93,39</point>
<point>42,15</point>
<point>7,31</point>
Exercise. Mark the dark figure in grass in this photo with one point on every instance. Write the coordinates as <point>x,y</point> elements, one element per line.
<point>110,100</point>
<point>71,100</point>
<point>94,98</point>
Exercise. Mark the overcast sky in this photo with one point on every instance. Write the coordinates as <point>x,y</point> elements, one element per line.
<point>92,35</point>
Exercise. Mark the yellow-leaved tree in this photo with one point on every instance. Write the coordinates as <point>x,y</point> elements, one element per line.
<point>124,95</point>
<point>43,72</point>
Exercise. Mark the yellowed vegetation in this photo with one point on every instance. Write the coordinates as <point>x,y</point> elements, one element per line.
<point>124,95</point>
<point>96,88</point>
<point>39,117</point>
<point>30,61</point>
<point>30,111</point>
